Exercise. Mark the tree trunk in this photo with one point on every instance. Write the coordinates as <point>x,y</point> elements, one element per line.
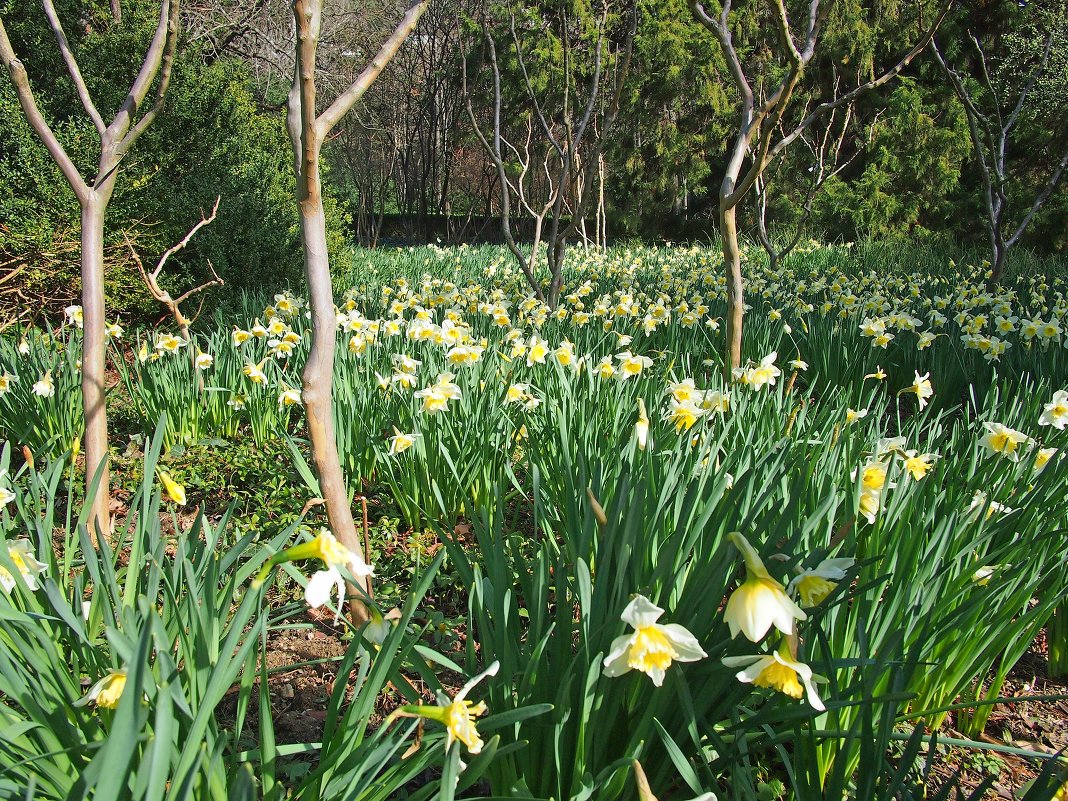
<point>93,351</point>
<point>997,266</point>
<point>732,264</point>
<point>318,380</point>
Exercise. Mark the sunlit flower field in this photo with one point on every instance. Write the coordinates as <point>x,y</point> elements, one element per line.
<point>847,542</point>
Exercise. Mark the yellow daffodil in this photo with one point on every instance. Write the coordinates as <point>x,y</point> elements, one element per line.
<point>174,490</point>
<point>107,692</point>
<point>652,646</point>
<point>457,714</point>
<point>779,671</point>
<point>760,602</point>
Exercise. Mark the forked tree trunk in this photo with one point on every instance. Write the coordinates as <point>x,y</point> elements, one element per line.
<point>115,138</point>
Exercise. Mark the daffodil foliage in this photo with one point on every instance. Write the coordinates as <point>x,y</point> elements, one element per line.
<point>859,527</point>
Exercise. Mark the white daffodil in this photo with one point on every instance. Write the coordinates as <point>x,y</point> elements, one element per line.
<point>1004,440</point>
<point>6,380</point>
<point>641,428</point>
<point>288,397</point>
<point>815,584</point>
<point>325,583</point>
<point>921,387</point>
<point>652,647</point>
<point>20,553</point>
<point>74,315</point>
<point>45,387</point>
<point>1055,413</point>
<point>400,442</point>
<point>778,671</point>
<point>760,602</point>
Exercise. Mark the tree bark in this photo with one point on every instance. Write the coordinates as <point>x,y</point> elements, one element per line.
<point>732,263</point>
<point>93,352</point>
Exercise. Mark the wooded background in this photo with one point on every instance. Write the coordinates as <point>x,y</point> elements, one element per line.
<point>408,164</point>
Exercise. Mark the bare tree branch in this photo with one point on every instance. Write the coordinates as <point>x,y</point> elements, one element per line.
<point>37,121</point>
<point>72,67</point>
<point>340,107</point>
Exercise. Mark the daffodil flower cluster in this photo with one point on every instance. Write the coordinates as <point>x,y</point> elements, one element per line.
<point>760,603</point>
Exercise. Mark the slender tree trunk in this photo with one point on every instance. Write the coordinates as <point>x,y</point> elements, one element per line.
<point>318,376</point>
<point>997,266</point>
<point>732,263</point>
<point>93,351</point>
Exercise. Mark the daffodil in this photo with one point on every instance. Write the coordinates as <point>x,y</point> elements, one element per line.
<point>289,397</point>
<point>878,375</point>
<point>760,601</point>
<point>175,491</point>
<point>169,343</point>
<point>74,315</point>
<point>921,387</point>
<point>400,442</point>
<point>652,646</point>
<point>45,387</point>
<point>1055,413</point>
<point>631,364</point>
<point>1004,440</point>
<point>204,360</point>
<point>684,415</point>
<point>779,671</point>
<point>20,553</point>
<point>105,693</point>
<point>641,428</point>
<point>323,585</point>
<point>1042,458</point>
<point>457,714</point>
<point>254,372</point>
<point>815,584</point>
<point>6,380</point>
<point>917,464</point>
